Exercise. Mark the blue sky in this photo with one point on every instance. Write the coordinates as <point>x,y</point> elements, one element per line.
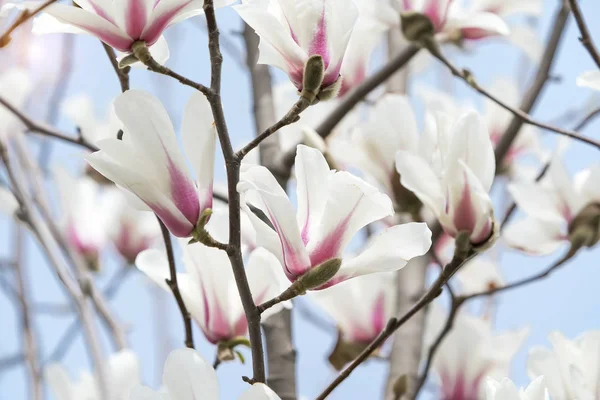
<point>567,301</point>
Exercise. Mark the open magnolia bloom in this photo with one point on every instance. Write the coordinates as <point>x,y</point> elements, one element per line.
<point>589,79</point>
<point>15,87</point>
<point>187,376</point>
<point>119,24</point>
<point>361,308</point>
<point>209,290</point>
<point>571,368</point>
<point>372,146</point>
<point>454,22</point>
<point>122,374</point>
<point>149,163</point>
<point>470,353</point>
<point>130,230</point>
<point>87,214</point>
<point>558,210</point>
<point>453,181</point>
<point>292,31</point>
<point>332,207</point>
<point>506,390</point>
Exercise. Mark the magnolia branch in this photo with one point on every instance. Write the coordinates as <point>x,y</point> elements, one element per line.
<point>40,129</point>
<point>23,17</point>
<point>585,39</point>
<point>172,283</point>
<point>122,73</point>
<point>462,254</point>
<point>468,78</point>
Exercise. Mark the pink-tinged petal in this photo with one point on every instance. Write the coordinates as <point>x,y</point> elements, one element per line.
<point>264,192</point>
<point>92,5</point>
<point>92,24</point>
<point>161,17</point>
<point>184,193</point>
<point>535,236</point>
<point>437,10</point>
<point>135,17</point>
<point>318,44</point>
<point>479,26</point>
<point>378,318</point>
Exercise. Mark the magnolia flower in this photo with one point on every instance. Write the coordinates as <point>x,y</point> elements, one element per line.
<point>552,206</point>
<point>86,212</point>
<point>361,308</point>
<point>187,376</point>
<point>8,203</point>
<point>130,230</point>
<point>453,21</point>
<point>209,289</point>
<point>292,31</point>
<point>122,374</point>
<point>571,368</point>
<point>121,24</point>
<point>470,352</point>
<point>454,180</point>
<point>332,207</point>
<point>589,79</point>
<point>15,86</point>
<point>149,163</point>
<point>391,127</point>
<point>506,390</point>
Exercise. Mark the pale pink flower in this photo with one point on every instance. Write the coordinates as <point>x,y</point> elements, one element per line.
<point>149,163</point>
<point>454,179</point>
<point>292,31</point>
<point>332,207</point>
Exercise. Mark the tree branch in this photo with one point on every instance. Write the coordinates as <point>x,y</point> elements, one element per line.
<point>585,39</point>
<point>172,283</point>
<point>23,17</point>
<point>122,73</point>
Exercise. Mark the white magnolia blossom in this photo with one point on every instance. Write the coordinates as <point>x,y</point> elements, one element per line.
<point>506,390</point>
<point>332,207</point>
<point>86,214</point>
<point>550,205</point>
<point>8,203</point>
<point>589,79</point>
<point>187,376</point>
<point>292,31</point>
<point>130,230</point>
<point>360,307</point>
<point>453,180</point>
<point>209,289</point>
<point>149,163</point>
<point>122,374</point>
<point>454,21</point>
<point>15,86</point>
<point>80,110</point>
<point>571,367</point>
<point>469,353</point>
<point>119,24</point>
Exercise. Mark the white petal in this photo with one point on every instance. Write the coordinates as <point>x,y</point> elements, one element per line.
<point>479,24</point>
<point>124,370</point>
<point>590,79</point>
<point>471,143</point>
<point>543,362</point>
<point>259,391</point>
<point>8,202</point>
<point>417,176</point>
<point>536,389</point>
<point>537,201</point>
<point>479,275</point>
<point>188,376</point>
<point>534,236</point>
<point>145,393</point>
<point>199,137</point>
<point>154,264</point>
<point>390,250</point>
<point>266,279</point>
<point>528,40</point>
<point>351,205</point>
<point>312,173</point>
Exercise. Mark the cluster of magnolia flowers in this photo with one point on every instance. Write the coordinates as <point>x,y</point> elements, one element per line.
<point>444,172</point>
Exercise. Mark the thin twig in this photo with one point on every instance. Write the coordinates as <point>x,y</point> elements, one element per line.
<point>585,39</point>
<point>122,73</point>
<point>37,128</point>
<point>172,282</point>
<point>23,17</point>
<point>11,361</point>
<point>468,78</point>
<point>394,323</point>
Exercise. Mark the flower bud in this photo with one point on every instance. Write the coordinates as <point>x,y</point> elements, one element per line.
<point>584,229</point>
<point>330,91</point>
<point>344,352</point>
<point>416,27</point>
<point>319,275</point>
<point>314,72</point>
